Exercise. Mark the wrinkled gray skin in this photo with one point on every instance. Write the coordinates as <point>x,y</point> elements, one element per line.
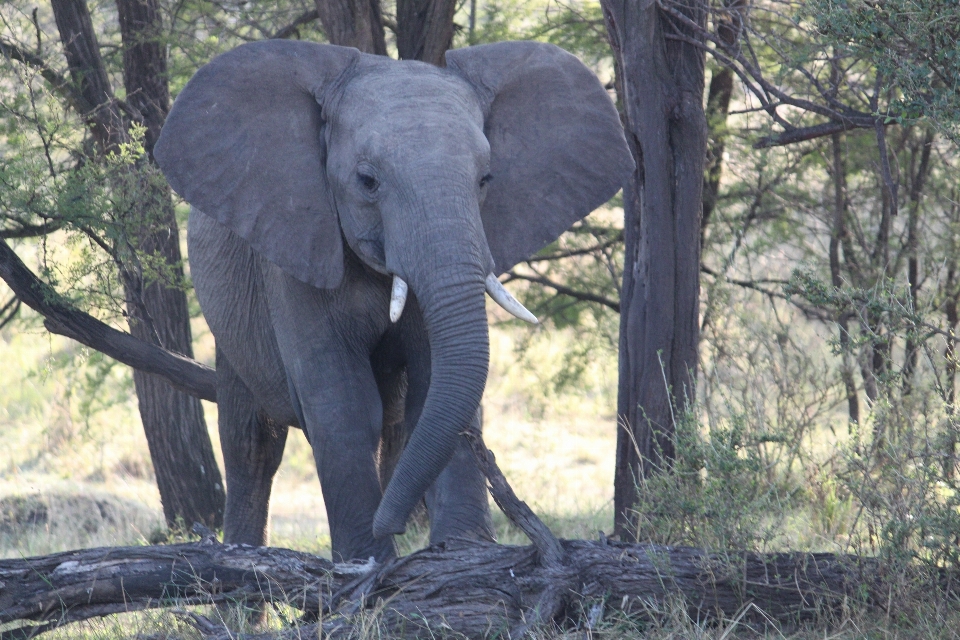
<point>316,173</point>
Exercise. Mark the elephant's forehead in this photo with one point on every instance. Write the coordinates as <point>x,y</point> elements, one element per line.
<point>417,91</point>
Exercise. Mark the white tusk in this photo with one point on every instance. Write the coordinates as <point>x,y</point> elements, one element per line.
<point>503,298</point>
<point>398,298</point>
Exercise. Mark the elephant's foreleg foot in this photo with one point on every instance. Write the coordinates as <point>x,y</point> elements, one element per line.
<point>457,502</point>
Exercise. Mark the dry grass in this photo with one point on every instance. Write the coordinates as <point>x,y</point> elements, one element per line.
<point>40,523</point>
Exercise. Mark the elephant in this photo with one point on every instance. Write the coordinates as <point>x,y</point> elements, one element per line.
<point>348,213</point>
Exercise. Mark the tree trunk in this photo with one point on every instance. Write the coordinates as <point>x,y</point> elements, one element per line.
<point>659,323</point>
<point>918,181</point>
<point>951,292</point>
<point>425,29</point>
<point>837,236</point>
<point>353,23</point>
<point>188,477</point>
<point>187,474</point>
<point>718,106</point>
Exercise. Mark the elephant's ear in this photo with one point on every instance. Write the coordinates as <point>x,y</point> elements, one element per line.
<point>243,144</point>
<point>556,143</point>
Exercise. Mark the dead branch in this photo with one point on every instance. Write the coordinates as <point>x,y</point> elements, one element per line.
<point>802,134</point>
<point>292,29</point>
<point>61,318</point>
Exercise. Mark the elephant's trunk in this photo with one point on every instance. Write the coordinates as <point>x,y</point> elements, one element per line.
<point>451,296</point>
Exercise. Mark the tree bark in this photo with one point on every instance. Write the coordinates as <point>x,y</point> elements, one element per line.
<point>659,322</point>
<point>191,488</point>
<point>425,29</point>
<point>353,23</point>
<point>187,474</point>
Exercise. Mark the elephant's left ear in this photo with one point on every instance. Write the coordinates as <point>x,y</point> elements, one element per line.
<point>557,149</point>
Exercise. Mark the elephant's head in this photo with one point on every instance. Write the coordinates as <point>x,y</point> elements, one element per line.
<point>441,178</point>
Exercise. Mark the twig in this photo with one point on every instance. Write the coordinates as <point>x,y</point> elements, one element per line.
<point>9,311</point>
<point>569,253</point>
<point>59,83</point>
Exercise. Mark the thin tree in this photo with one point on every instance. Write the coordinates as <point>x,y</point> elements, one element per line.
<point>660,84</point>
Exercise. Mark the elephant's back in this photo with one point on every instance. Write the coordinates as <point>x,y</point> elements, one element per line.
<point>227,276</point>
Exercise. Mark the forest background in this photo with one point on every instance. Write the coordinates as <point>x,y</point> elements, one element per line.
<point>824,415</point>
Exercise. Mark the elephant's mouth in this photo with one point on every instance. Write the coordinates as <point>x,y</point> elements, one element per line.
<point>496,290</point>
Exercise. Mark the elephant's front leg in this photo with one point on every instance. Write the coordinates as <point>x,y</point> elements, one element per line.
<point>457,501</point>
<point>252,448</point>
<point>325,339</point>
<point>341,407</point>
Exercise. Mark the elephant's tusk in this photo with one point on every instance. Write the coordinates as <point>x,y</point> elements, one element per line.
<point>398,298</point>
<point>503,298</point>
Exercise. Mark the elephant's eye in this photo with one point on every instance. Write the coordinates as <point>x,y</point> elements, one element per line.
<point>485,179</point>
<point>368,182</point>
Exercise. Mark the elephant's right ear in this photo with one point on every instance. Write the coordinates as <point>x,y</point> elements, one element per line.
<point>243,144</point>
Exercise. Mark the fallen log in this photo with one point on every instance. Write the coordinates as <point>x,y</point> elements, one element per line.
<point>469,587</point>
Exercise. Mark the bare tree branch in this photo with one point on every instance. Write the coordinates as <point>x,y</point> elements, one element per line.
<point>803,134</point>
<point>841,116</point>
<point>569,253</point>
<point>61,318</point>
<point>292,28</point>
<point>564,290</point>
<point>30,230</point>
<point>757,285</point>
